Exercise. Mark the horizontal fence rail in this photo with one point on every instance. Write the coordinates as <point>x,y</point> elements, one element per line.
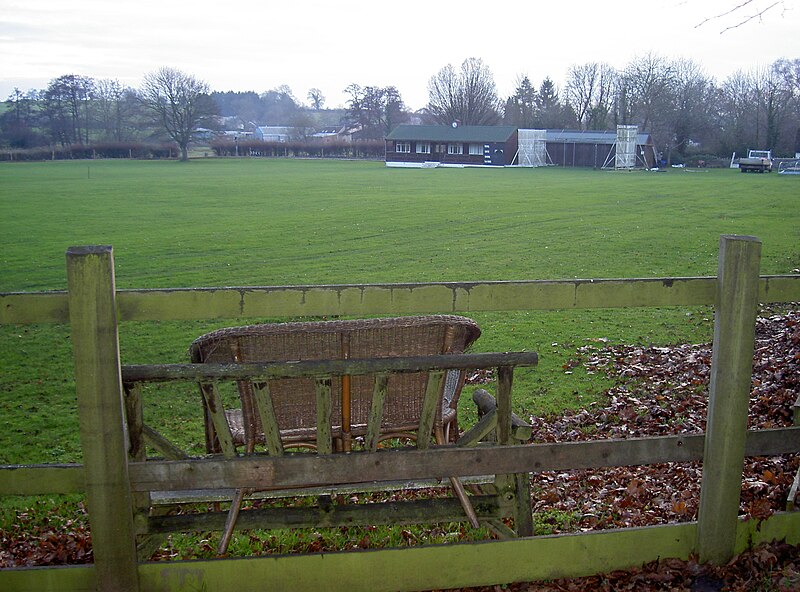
<point>368,299</point>
<point>308,470</point>
<point>41,479</point>
<point>306,368</point>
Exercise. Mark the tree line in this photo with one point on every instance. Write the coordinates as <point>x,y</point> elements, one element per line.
<point>686,111</point>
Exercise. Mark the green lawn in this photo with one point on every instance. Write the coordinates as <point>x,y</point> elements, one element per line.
<point>211,222</point>
<point>268,222</point>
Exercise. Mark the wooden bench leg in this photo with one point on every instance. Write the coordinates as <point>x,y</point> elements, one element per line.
<point>458,487</point>
<point>793,491</point>
<point>230,521</point>
<point>523,520</point>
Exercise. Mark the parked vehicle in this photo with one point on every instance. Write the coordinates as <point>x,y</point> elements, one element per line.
<point>757,161</point>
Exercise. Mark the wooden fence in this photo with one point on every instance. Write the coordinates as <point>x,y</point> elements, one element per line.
<point>94,308</point>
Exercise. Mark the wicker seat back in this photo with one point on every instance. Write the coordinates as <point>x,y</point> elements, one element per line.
<point>294,399</point>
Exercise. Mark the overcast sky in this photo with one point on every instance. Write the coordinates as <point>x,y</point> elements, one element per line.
<point>259,45</point>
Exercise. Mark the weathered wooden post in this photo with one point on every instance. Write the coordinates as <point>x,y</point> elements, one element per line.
<point>729,396</point>
<point>95,344</point>
<point>518,483</point>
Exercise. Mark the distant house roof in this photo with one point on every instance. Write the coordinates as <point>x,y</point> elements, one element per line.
<point>590,137</point>
<point>446,133</point>
<point>328,131</point>
<point>274,129</point>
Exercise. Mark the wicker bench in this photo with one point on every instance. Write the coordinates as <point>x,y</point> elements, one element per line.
<point>336,387</point>
<point>294,401</point>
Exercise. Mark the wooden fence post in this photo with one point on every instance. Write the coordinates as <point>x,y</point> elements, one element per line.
<point>95,344</point>
<point>729,396</point>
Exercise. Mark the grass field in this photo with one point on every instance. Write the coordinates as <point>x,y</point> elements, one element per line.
<point>271,222</point>
<point>211,222</point>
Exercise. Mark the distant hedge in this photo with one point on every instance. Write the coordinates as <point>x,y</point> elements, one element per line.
<point>367,149</point>
<point>102,150</point>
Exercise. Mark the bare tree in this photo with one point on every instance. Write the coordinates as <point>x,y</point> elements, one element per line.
<point>788,71</point>
<point>116,110</point>
<point>179,101</point>
<point>742,12</point>
<point>738,122</point>
<point>647,87</point>
<point>760,108</point>
<point>589,91</point>
<point>776,98</point>
<point>468,96</point>
<point>692,111</point>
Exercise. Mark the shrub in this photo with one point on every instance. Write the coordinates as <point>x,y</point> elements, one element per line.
<point>308,148</point>
<point>132,150</point>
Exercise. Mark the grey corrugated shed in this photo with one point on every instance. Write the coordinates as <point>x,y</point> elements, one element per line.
<point>446,133</point>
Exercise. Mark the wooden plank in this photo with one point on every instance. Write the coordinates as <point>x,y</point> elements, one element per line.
<point>324,410</point>
<point>104,443</point>
<point>216,411</point>
<point>793,490</point>
<point>729,396</point>
<point>485,402</point>
<point>72,578</point>
<point>523,513</point>
<point>516,485</point>
<point>376,411</point>
<point>269,421</point>
<point>780,526</point>
<point>393,513</point>
<point>431,400</point>
<point>439,297</point>
<point>225,495</point>
<point>377,299</point>
<point>22,308</point>
<point>162,444</point>
<point>46,479</point>
<point>505,379</point>
<point>430,567</point>
<point>778,288</point>
<point>296,470</point>
<point>320,368</point>
<point>477,564</point>
<point>442,566</point>
<point>41,479</point>
<point>134,417</point>
<point>480,430</point>
<point>444,297</point>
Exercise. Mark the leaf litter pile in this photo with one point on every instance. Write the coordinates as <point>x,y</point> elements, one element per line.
<point>663,391</point>
<point>658,391</point>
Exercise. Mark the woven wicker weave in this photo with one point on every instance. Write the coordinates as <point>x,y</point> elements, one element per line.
<point>294,399</point>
